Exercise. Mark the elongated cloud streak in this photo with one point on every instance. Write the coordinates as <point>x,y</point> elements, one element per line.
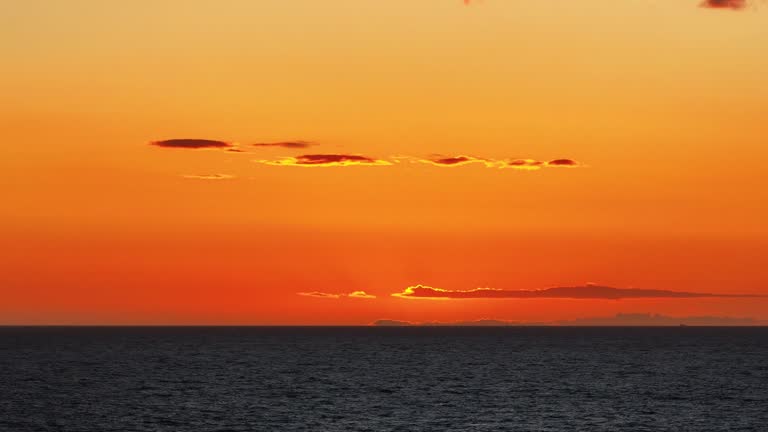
<point>344,159</point>
<point>521,164</point>
<point>326,160</point>
<point>191,143</point>
<point>194,143</point>
<point>361,295</point>
<point>286,144</point>
<point>208,176</point>
<point>317,294</point>
<point>724,4</point>
<point>576,292</point>
<point>562,163</point>
<point>352,295</point>
<point>455,161</point>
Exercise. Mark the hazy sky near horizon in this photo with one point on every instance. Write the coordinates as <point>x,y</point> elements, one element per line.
<point>660,105</point>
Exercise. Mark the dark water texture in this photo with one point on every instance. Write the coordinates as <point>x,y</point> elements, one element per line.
<point>383,379</point>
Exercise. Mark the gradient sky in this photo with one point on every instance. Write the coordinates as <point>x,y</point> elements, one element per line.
<point>663,105</point>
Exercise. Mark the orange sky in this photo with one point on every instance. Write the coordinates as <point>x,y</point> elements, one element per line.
<point>662,105</point>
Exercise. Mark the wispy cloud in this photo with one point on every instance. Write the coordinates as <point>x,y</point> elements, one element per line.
<point>317,294</point>
<point>195,143</point>
<point>353,159</point>
<point>724,4</point>
<point>286,144</point>
<point>575,292</point>
<point>208,176</point>
<point>520,164</point>
<point>353,295</point>
<point>361,295</point>
<point>191,143</point>
<point>326,160</point>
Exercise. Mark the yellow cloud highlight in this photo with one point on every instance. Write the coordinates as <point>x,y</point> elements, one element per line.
<point>414,293</point>
<point>361,295</point>
<point>325,160</point>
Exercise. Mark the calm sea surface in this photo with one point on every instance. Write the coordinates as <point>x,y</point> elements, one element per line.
<point>383,379</point>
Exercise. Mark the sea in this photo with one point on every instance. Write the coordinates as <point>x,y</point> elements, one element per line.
<point>228,379</point>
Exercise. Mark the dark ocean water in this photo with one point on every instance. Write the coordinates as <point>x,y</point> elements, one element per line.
<point>383,379</point>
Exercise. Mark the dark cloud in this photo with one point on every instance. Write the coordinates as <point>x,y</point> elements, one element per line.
<point>520,164</point>
<point>326,160</point>
<point>562,163</point>
<point>320,159</point>
<point>576,292</point>
<point>453,160</point>
<point>286,144</point>
<point>724,4</point>
<point>189,143</point>
<point>336,159</point>
<point>524,164</point>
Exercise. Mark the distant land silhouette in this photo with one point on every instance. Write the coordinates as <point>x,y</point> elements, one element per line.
<point>622,319</point>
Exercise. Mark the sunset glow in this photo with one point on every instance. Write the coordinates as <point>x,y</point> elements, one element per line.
<point>519,161</point>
